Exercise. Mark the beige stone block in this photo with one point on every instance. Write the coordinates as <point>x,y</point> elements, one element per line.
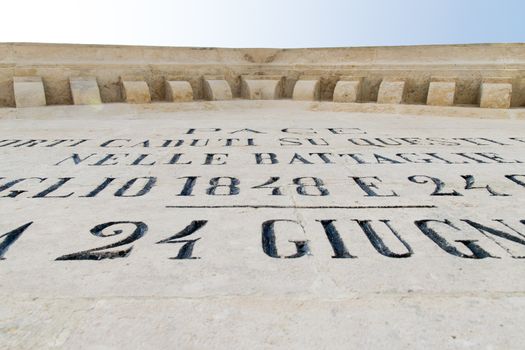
<point>495,95</point>
<point>391,91</point>
<point>29,92</point>
<point>260,89</point>
<point>135,91</point>
<point>178,91</point>
<point>441,93</point>
<point>348,90</point>
<point>217,90</point>
<point>85,90</point>
<point>306,90</point>
<point>420,288</point>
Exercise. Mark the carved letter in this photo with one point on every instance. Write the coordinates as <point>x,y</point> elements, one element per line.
<point>477,251</point>
<point>269,246</point>
<point>10,238</point>
<point>186,251</point>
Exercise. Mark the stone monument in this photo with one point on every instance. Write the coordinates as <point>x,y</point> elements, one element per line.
<point>198,198</point>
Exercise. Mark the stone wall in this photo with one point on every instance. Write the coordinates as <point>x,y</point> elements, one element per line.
<point>466,68</point>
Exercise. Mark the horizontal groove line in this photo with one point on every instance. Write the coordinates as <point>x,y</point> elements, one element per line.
<point>301,207</point>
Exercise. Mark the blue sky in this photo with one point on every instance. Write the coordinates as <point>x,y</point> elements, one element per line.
<point>268,23</point>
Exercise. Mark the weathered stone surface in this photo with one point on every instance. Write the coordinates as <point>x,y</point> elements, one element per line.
<point>348,90</point>
<point>466,63</point>
<point>310,226</point>
<point>217,90</point>
<point>260,89</point>
<point>391,91</point>
<point>135,91</point>
<point>306,90</point>
<point>495,95</point>
<point>85,91</point>
<point>178,91</point>
<point>441,93</point>
<point>263,224</point>
<point>29,91</point>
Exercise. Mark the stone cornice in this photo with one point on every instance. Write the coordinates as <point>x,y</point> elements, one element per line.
<point>469,67</point>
